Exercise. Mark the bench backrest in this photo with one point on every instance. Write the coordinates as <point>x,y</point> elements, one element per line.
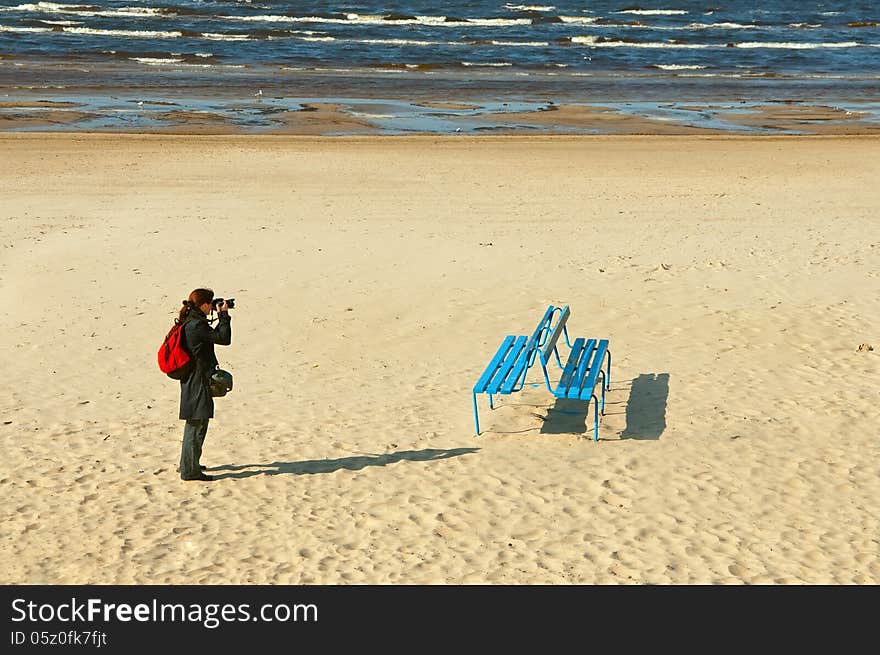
<point>550,344</point>
<point>527,355</point>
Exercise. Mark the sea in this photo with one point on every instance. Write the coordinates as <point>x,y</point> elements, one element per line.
<point>405,53</point>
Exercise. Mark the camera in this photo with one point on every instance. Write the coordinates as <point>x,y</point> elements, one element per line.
<point>230,302</point>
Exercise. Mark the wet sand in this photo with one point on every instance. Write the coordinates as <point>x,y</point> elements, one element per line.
<point>280,114</point>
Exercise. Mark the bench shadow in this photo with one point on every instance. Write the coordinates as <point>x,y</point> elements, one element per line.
<point>330,465</point>
<point>645,410</point>
<point>567,416</point>
<point>646,407</point>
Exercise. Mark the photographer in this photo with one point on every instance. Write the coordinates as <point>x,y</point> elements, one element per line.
<point>196,400</point>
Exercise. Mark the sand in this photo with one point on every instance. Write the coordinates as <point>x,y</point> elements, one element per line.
<point>374,277</point>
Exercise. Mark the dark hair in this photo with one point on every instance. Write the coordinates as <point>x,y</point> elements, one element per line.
<point>197,298</point>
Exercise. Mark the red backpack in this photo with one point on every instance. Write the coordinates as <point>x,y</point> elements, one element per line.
<point>173,359</point>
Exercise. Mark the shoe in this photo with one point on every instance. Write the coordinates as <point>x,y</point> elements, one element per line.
<point>202,467</point>
<point>201,476</point>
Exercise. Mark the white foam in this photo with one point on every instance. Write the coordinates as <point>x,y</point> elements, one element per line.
<point>316,38</point>
<point>799,46</point>
<point>378,19</point>
<point>142,34</point>
<point>265,19</point>
<point>653,12</point>
<point>578,20</point>
<point>530,44</point>
<point>593,41</point>
<point>496,21</point>
<point>225,37</point>
<point>83,9</point>
<point>396,42</point>
<point>39,6</point>
<point>155,61</point>
<point>723,26</point>
<point>498,64</point>
<point>678,67</point>
<point>61,22</point>
<point>528,8</point>
<point>4,28</point>
<point>805,24</point>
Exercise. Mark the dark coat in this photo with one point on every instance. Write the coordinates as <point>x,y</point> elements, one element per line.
<point>198,340</point>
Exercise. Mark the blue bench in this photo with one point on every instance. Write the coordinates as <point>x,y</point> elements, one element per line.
<point>584,368</point>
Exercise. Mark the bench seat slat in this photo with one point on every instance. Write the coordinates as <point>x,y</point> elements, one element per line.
<point>506,366</point>
<point>574,389</point>
<point>519,367</point>
<point>503,349</point>
<point>595,367</point>
<point>561,390</point>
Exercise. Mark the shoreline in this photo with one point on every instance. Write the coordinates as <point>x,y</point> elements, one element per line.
<point>513,138</point>
<point>119,98</point>
<point>346,117</point>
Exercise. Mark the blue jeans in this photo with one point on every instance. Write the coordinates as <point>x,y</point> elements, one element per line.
<point>193,437</point>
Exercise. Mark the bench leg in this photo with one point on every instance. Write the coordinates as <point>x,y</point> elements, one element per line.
<point>602,373</point>
<point>595,417</point>
<point>608,378</point>
<point>491,405</point>
<point>546,377</point>
<point>476,416</point>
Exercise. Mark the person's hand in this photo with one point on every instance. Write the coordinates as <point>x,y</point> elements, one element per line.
<point>224,307</point>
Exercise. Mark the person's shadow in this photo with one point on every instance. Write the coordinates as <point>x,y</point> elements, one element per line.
<point>329,465</point>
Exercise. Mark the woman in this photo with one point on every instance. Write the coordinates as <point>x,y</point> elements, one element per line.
<point>196,402</point>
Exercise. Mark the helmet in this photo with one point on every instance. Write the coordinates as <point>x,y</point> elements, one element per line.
<point>221,382</point>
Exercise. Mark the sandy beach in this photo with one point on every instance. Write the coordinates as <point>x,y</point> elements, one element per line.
<point>374,277</point>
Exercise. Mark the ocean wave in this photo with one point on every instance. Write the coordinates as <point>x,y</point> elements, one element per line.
<point>528,44</point>
<point>603,42</point>
<point>212,36</point>
<point>88,10</point>
<point>800,46</point>
<point>395,42</point>
<point>607,42</point>
<point>138,34</point>
<point>9,28</point>
<point>677,67</point>
<point>578,20</point>
<point>652,12</point>
<point>156,61</point>
<point>489,65</point>
<point>528,8</point>
<point>386,19</point>
<point>724,26</point>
